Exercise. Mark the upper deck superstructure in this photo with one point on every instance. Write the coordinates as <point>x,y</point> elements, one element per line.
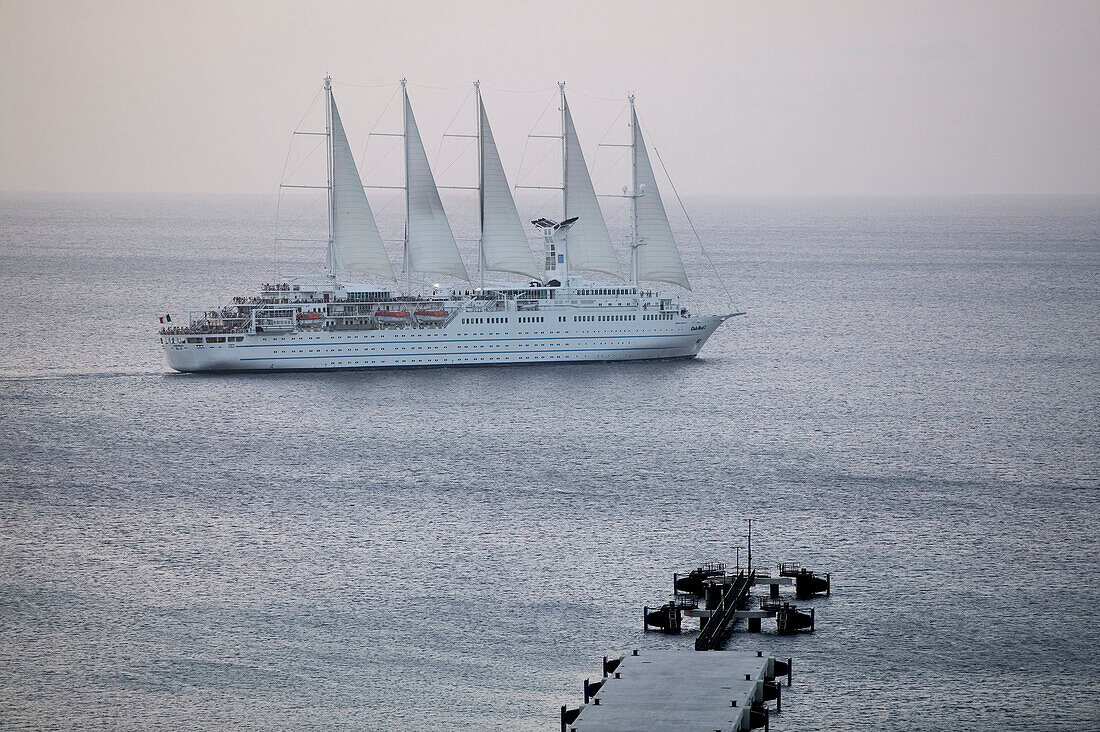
<point>557,315</point>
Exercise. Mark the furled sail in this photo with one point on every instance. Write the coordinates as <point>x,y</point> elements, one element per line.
<point>658,258</point>
<point>588,245</point>
<point>504,246</point>
<point>431,245</point>
<point>356,243</point>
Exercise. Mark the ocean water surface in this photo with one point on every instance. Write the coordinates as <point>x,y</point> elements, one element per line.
<point>912,402</point>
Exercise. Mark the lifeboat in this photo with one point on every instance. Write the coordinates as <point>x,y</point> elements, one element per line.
<point>430,316</point>
<point>391,316</point>
<point>310,320</point>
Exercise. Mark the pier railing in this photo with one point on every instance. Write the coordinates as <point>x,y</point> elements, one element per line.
<point>714,632</point>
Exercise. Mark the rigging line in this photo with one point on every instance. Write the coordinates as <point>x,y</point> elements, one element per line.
<point>363,157</point>
<point>275,258</point>
<point>693,229</point>
<point>519,170</point>
<point>611,126</point>
<point>309,109</point>
<point>387,204</point>
<point>439,150</point>
<point>539,161</point>
<point>598,148</point>
<point>304,211</point>
<point>366,86</point>
<point>393,146</point>
<point>304,160</point>
<point>520,91</point>
<point>461,205</point>
<point>611,167</point>
<point>282,179</point>
<point>440,88</point>
<point>467,146</point>
<point>555,199</point>
<point>573,90</point>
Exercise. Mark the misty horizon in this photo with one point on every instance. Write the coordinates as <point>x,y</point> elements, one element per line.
<point>853,99</point>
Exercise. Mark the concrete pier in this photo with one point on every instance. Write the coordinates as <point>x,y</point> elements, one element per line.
<point>681,690</point>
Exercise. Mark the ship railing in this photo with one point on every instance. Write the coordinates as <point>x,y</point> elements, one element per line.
<point>273,323</point>
<point>485,306</point>
<point>269,316</point>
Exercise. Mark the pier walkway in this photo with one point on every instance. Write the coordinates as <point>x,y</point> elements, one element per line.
<point>681,690</point>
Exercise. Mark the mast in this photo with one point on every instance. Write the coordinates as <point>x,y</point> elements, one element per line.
<point>564,271</point>
<point>330,255</point>
<point>405,135</point>
<point>480,192</point>
<point>633,194</point>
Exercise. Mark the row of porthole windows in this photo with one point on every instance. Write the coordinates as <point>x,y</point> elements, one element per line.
<point>487,358</point>
<point>658,316</point>
<point>615,291</point>
<point>531,319</point>
<point>402,348</point>
<point>477,321</point>
<point>602,318</point>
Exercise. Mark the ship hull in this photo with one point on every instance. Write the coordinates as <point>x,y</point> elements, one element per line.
<point>453,345</point>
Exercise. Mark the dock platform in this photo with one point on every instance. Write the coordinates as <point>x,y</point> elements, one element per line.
<point>681,690</point>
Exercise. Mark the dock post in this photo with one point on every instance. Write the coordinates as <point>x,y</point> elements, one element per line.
<point>748,567</point>
<point>674,580</point>
<point>562,718</point>
<point>811,620</point>
<point>605,671</point>
<point>586,696</point>
<point>788,672</point>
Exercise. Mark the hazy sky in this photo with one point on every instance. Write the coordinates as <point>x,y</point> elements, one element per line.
<point>762,97</point>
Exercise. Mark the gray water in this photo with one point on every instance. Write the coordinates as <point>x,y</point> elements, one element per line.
<point>912,403</point>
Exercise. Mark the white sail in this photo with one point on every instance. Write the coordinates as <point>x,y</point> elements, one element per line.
<point>431,245</point>
<point>356,243</point>
<point>504,246</point>
<point>657,256</point>
<point>588,245</point>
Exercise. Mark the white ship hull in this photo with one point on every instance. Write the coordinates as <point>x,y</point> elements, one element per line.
<point>553,315</point>
<point>456,344</point>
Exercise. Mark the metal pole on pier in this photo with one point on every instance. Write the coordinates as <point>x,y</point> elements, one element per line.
<point>749,568</point>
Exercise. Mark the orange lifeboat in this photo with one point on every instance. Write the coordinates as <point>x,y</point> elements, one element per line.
<point>310,320</point>
<point>430,316</point>
<point>391,316</point>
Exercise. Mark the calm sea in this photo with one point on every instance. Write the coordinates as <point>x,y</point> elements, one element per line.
<point>911,403</point>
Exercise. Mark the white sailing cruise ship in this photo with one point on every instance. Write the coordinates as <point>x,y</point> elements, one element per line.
<point>554,315</point>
